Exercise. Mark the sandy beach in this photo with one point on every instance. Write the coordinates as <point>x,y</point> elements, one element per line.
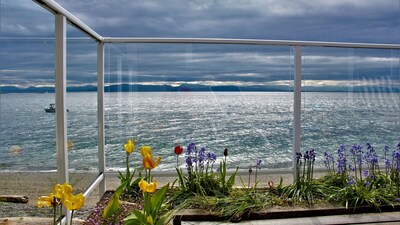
<point>36,184</point>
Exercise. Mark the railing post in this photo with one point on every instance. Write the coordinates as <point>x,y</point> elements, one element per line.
<point>100,116</point>
<point>296,107</point>
<point>61,109</point>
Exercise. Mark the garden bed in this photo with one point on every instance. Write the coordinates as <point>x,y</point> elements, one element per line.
<point>275,212</point>
<point>353,184</point>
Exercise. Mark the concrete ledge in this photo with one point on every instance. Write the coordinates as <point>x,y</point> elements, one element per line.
<point>282,213</point>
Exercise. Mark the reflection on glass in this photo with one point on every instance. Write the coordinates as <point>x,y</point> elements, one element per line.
<point>219,96</point>
<point>351,96</point>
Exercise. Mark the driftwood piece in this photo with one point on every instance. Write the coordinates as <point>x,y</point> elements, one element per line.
<point>33,221</point>
<point>14,198</point>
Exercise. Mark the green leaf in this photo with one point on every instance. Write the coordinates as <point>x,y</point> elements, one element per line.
<point>231,180</point>
<point>164,219</point>
<point>159,196</point>
<point>135,218</point>
<point>114,204</point>
<point>180,177</point>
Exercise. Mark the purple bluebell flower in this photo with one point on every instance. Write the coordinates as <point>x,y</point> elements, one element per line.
<point>388,165</point>
<point>367,156</point>
<point>396,159</point>
<point>367,183</point>
<point>190,148</point>
<point>312,154</point>
<point>370,148</point>
<point>386,149</point>
<point>351,168</point>
<point>328,160</point>
<point>398,146</point>
<point>189,162</point>
<point>398,199</point>
<point>258,163</point>
<point>351,181</point>
<point>211,157</point>
<point>396,154</point>
<point>374,160</point>
<point>359,153</point>
<point>298,156</point>
<point>307,155</point>
<point>365,173</point>
<point>353,150</point>
<point>202,155</point>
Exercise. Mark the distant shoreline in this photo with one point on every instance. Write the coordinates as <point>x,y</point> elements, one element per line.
<point>202,88</point>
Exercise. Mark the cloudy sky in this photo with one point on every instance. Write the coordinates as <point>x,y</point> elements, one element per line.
<point>27,45</point>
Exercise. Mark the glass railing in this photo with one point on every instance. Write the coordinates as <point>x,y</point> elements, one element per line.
<point>219,93</point>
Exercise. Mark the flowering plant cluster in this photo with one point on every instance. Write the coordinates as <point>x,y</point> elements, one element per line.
<point>62,196</point>
<point>201,177</point>
<point>303,187</point>
<point>153,200</point>
<point>358,176</point>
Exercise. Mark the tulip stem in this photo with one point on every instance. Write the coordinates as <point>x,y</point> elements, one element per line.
<point>54,213</point>
<point>150,176</point>
<point>128,173</point>
<point>72,215</point>
<point>60,212</point>
<point>177,161</point>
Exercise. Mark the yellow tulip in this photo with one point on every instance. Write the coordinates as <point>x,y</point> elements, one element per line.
<point>74,202</point>
<point>46,200</point>
<point>61,190</point>
<point>145,150</point>
<point>129,146</point>
<point>148,161</point>
<point>147,187</point>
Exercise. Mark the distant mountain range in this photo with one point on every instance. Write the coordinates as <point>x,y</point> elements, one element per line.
<point>196,88</point>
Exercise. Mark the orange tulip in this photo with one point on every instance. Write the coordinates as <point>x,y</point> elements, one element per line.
<point>149,163</point>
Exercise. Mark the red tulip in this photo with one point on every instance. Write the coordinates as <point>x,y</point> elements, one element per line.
<point>178,150</point>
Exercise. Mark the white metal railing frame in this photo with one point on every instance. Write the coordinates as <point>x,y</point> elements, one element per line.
<point>62,16</point>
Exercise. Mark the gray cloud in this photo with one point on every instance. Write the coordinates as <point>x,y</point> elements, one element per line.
<point>27,47</point>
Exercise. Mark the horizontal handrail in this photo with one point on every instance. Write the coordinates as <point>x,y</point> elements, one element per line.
<point>249,42</point>
<point>94,184</point>
<point>55,8</point>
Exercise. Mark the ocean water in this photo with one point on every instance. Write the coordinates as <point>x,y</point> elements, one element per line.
<point>252,125</point>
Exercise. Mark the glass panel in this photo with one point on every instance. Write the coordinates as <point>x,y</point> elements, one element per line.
<point>26,86</point>
<point>218,96</point>
<point>82,109</point>
<point>351,96</point>
<point>27,133</point>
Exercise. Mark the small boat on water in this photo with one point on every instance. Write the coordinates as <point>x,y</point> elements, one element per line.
<point>52,108</point>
